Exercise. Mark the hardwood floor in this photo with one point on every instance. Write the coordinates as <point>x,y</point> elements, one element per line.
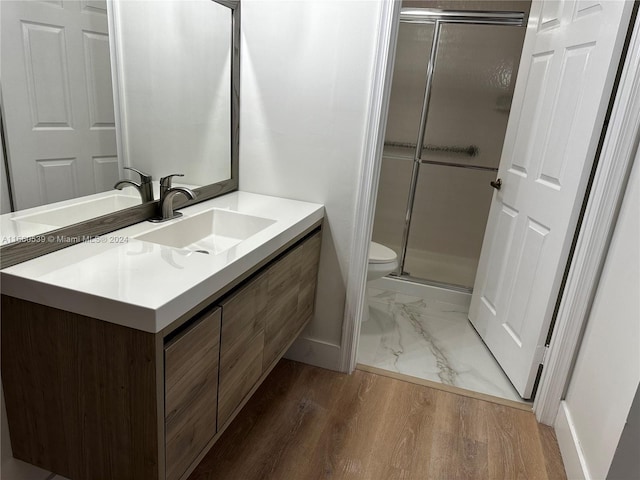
<point>306,423</point>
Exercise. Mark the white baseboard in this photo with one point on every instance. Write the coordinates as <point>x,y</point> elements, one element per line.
<point>315,352</point>
<point>569,443</point>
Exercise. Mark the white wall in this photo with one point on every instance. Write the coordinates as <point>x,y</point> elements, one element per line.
<point>607,370</point>
<point>306,71</point>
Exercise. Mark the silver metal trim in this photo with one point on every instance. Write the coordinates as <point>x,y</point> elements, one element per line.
<point>432,15</point>
<point>419,145</point>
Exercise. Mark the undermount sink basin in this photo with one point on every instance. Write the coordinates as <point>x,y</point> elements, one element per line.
<point>213,231</point>
<point>81,211</point>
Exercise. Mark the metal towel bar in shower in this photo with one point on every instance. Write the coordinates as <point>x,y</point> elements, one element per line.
<point>471,150</point>
<point>459,165</point>
<point>445,164</point>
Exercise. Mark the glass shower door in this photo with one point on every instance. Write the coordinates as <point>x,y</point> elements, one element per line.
<point>470,99</point>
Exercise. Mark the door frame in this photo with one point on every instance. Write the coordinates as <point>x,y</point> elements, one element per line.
<point>593,236</point>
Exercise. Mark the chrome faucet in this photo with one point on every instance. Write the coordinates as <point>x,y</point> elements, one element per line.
<point>167,193</point>
<point>145,187</point>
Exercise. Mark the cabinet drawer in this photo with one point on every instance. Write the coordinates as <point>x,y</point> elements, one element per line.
<point>191,381</point>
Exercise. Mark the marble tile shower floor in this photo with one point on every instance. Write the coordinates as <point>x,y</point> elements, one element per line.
<point>430,339</point>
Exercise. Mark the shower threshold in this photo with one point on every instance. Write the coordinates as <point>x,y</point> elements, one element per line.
<point>406,276</point>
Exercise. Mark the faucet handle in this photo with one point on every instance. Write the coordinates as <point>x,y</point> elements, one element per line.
<point>165,182</point>
<point>144,177</point>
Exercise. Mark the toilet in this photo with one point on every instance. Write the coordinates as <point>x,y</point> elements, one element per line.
<point>382,261</point>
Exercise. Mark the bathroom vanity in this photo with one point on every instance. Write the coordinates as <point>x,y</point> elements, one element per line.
<point>128,356</point>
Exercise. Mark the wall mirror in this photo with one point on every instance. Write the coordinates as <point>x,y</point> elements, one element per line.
<point>90,87</point>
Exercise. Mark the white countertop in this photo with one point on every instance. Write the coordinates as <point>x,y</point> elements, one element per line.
<point>144,285</point>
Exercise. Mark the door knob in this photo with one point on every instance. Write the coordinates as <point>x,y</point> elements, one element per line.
<point>497,184</point>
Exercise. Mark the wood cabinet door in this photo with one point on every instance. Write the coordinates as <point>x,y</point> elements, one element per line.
<point>309,258</point>
<point>191,391</point>
<point>283,287</point>
<point>291,294</point>
<point>241,344</point>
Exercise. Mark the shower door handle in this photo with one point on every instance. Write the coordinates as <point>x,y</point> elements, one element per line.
<point>497,184</point>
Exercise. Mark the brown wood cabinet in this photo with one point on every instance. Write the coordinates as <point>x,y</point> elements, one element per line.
<point>88,399</point>
<point>80,393</point>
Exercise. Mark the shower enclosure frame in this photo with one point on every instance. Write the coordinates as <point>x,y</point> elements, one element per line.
<point>438,18</point>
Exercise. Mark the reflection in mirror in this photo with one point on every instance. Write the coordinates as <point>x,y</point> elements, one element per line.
<point>70,130</point>
<point>58,110</point>
<point>175,97</point>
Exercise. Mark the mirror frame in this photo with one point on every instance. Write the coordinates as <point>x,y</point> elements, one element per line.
<point>54,240</point>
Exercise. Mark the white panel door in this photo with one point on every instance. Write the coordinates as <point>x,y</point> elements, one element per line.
<point>58,99</point>
<point>569,60</point>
